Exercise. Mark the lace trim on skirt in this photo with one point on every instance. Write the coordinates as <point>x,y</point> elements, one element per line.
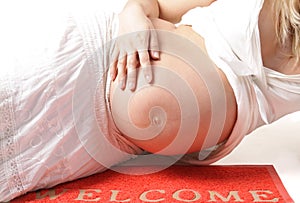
<point>10,180</point>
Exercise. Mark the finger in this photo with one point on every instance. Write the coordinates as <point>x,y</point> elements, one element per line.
<point>113,70</point>
<point>121,65</point>
<point>131,78</point>
<point>132,63</point>
<point>154,54</point>
<point>154,45</point>
<point>144,59</point>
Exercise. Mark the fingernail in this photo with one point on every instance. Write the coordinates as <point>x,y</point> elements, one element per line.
<point>156,54</point>
<point>148,78</point>
<point>121,84</point>
<point>131,85</point>
<point>112,76</point>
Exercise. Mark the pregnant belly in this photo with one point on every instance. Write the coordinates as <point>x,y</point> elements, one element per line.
<point>175,113</point>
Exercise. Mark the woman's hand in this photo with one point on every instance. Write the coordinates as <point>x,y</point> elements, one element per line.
<point>136,45</point>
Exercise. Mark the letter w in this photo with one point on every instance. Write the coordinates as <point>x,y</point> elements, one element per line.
<point>49,193</point>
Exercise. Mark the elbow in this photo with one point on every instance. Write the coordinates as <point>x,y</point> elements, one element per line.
<point>172,19</point>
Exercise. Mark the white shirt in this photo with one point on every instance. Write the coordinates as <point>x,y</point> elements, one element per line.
<point>231,33</point>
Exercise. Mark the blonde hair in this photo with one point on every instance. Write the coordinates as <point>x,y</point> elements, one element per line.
<point>287,22</point>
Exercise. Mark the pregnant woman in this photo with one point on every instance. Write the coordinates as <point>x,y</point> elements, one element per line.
<point>62,117</point>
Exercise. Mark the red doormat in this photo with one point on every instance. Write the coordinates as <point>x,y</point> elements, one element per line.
<point>174,184</point>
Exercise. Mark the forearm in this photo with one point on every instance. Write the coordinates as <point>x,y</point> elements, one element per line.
<point>149,7</point>
<point>170,10</point>
<point>164,9</point>
<point>173,10</point>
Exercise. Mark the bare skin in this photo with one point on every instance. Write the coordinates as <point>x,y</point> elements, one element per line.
<point>143,101</point>
<point>135,17</point>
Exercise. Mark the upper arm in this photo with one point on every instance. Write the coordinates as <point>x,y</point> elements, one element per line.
<point>173,10</point>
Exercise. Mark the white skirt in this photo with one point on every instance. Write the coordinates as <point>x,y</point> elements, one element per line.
<point>46,124</point>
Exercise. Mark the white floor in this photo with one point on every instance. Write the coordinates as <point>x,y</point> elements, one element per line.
<point>277,144</point>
